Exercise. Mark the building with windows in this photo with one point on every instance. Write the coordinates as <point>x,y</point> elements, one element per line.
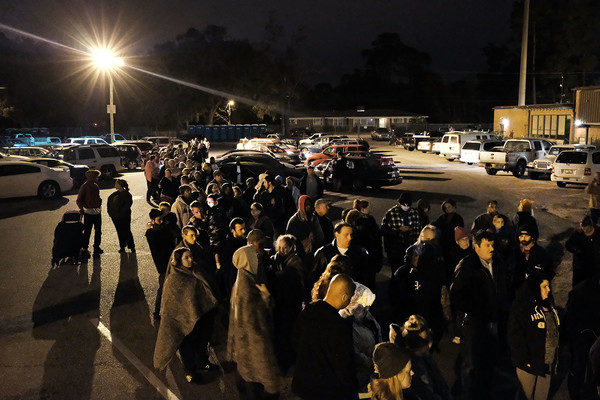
<point>549,121</point>
<point>586,124</point>
<point>359,119</point>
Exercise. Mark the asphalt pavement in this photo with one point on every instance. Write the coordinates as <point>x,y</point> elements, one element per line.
<point>93,336</point>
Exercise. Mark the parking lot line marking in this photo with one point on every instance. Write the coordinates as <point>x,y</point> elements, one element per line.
<point>148,374</point>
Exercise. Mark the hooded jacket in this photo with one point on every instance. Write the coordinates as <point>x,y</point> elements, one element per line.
<point>302,226</point>
<point>89,196</point>
<point>527,333</point>
<point>182,211</point>
<point>119,205</point>
<point>325,368</point>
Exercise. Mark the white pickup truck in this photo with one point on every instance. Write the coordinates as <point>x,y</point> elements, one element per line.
<point>514,156</point>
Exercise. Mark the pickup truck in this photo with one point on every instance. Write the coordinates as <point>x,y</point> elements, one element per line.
<point>514,156</point>
<point>29,140</point>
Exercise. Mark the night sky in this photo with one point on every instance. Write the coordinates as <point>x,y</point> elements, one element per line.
<point>451,31</point>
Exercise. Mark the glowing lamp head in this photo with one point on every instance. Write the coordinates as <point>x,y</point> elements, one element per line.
<point>104,59</point>
<point>231,103</point>
<point>578,122</point>
<point>505,122</point>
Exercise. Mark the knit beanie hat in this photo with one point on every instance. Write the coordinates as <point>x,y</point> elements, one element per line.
<point>405,199</point>
<point>389,359</point>
<point>459,233</point>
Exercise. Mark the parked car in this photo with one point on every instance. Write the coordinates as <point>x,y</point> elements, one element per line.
<point>118,137</point>
<point>28,139</point>
<point>411,142</point>
<point>21,178</point>
<point>131,155</point>
<point>364,170</point>
<point>163,141</point>
<point>575,166</point>
<point>257,162</point>
<point>26,151</point>
<point>104,158</point>
<point>542,167</point>
<point>145,146</point>
<point>77,171</point>
<point>452,142</point>
<point>332,152</point>
<point>271,146</point>
<point>88,140</point>
<point>381,134</point>
<point>436,146</point>
<point>470,151</point>
<point>514,156</point>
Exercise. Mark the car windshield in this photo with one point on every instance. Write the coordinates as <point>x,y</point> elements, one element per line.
<point>276,149</point>
<point>471,146</point>
<point>80,141</point>
<point>572,157</point>
<point>555,150</point>
<point>517,146</point>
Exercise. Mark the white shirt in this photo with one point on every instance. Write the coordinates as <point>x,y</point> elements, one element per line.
<point>342,251</point>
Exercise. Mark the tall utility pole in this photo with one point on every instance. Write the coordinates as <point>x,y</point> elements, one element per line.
<point>111,109</point>
<point>523,74</point>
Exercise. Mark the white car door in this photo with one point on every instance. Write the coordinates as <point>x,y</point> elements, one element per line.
<point>17,180</point>
<point>538,150</point>
<point>87,157</point>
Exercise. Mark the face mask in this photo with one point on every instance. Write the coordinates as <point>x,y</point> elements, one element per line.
<point>526,242</point>
<point>404,207</point>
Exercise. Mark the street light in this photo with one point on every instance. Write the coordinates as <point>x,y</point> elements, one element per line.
<point>230,105</point>
<point>106,61</point>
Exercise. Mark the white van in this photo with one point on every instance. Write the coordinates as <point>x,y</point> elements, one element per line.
<point>470,151</point>
<point>452,142</point>
<point>575,166</point>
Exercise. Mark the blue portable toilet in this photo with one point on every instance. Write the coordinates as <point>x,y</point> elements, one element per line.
<point>208,132</point>
<point>238,132</point>
<point>191,130</point>
<point>246,131</point>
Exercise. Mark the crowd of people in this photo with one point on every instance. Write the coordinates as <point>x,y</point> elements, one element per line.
<point>297,290</point>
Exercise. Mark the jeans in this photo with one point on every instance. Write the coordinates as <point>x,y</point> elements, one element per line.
<point>152,192</point>
<point>161,282</point>
<point>123,227</point>
<point>90,220</point>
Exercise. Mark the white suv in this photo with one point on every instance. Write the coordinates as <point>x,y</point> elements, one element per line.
<point>20,178</point>
<point>575,166</point>
<point>104,158</point>
<point>88,140</point>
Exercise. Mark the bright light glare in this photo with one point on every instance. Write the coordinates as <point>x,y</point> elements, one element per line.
<point>505,122</point>
<point>104,59</point>
<point>231,103</point>
<point>578,122</point>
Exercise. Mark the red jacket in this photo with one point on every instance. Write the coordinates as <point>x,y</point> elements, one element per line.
<point>89,196</point>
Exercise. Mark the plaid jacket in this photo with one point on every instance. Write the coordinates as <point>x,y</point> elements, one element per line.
<point>395,218</point>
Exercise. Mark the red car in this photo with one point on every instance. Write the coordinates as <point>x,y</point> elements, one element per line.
<point>332,152</point>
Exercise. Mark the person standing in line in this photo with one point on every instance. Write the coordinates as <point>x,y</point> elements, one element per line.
<point>181,207</point>
<point>400,228</point>
<point>161,243</point>
<point>524,217</point>
<point>533,336</point>
<point>584,243</point>
<point>311,185</point>
<point>322,207</point>
<point>393,369</point>
<point>485,221</point>
<point>118,206</point>
<point>325,367</point>
<point>593,189</point>
<point>151,172</point>
<point>89,203</point>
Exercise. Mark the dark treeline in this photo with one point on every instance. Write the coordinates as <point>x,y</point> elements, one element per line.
<point>43,87</point>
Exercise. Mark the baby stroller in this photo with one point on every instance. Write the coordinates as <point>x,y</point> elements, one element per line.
<point>68,238</point>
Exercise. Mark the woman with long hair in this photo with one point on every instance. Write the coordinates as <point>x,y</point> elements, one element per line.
<point>260,221</point>
<point>393,372</point>
<point>119,209</point>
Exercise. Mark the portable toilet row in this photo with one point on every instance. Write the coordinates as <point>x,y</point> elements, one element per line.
<point>222,133</point>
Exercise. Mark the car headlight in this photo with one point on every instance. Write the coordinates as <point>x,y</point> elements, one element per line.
<point>289,152</point>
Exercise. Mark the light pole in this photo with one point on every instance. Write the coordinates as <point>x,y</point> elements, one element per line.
<point>230,105</point>
<point>106,62</point>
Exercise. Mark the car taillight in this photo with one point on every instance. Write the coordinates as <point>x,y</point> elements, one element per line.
<point>553,170</point>
<point>587,171</point>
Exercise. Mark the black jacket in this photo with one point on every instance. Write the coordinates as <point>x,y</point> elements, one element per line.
<point>446,224</point>
<point>525,219</point>
<point>119,204</point>
<point>538,261</point>
<point>476,293</point>
<point>327,228</point>
<point>527,333</point>
<point>582,312</point>
<point>302,186</point>
<point>358,256</point>
<point>169,187</point>
<point>278,206</point>
<point>161,243</point>
<point>485,221</point>
<point>586,254</point>
<point>325,368</point>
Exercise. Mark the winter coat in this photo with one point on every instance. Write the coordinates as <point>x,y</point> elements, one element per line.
<point>169,187</point>
<point>285,283</point>
<point>586,254</point>
<point>477,295</point>
<point>265,224</point>
<point>250,337</point>
<point>325,367</point>
<point>537,261</point>
<point>302,186</point>
<point>278,206</point>
<point>527,333</point>
<point>89,196</point>
<point>307,230</point>
<point>427,381</point>
<point>161,243</point>
<point>359,258</point>
<point>368,235</point>
<point>119,205</point>
<point>186,297</point>
<point>327,228</point>
<point>454,256</point>
<point>524,219</point>
<point>485,222</point>
<point>182,210</point>
<point>446,224</point>
<point>582,313</point>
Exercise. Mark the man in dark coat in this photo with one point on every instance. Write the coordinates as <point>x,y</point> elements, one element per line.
<point>584,243</point>
<point>342,244</point>
<point>161,243</point>
<point>311,184</point>
<point>446,223</point>
<point>582,327</point>
<point>276,202</point>
<point>325,368</point>
<point>305,227</point>
<point>531,258</point>
<point>322,208</point>
<point>479,296</point>
<point>236,239</point>
<point>485,221</point>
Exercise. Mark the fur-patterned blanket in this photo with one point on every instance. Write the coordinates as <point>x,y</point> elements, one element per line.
<point>250,338</point>
<point>186,297</point>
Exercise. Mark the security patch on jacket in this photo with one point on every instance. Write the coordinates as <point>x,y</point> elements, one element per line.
<point>542,325</point>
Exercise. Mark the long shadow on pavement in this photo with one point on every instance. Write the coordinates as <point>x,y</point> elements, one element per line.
<point>26,205</point>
